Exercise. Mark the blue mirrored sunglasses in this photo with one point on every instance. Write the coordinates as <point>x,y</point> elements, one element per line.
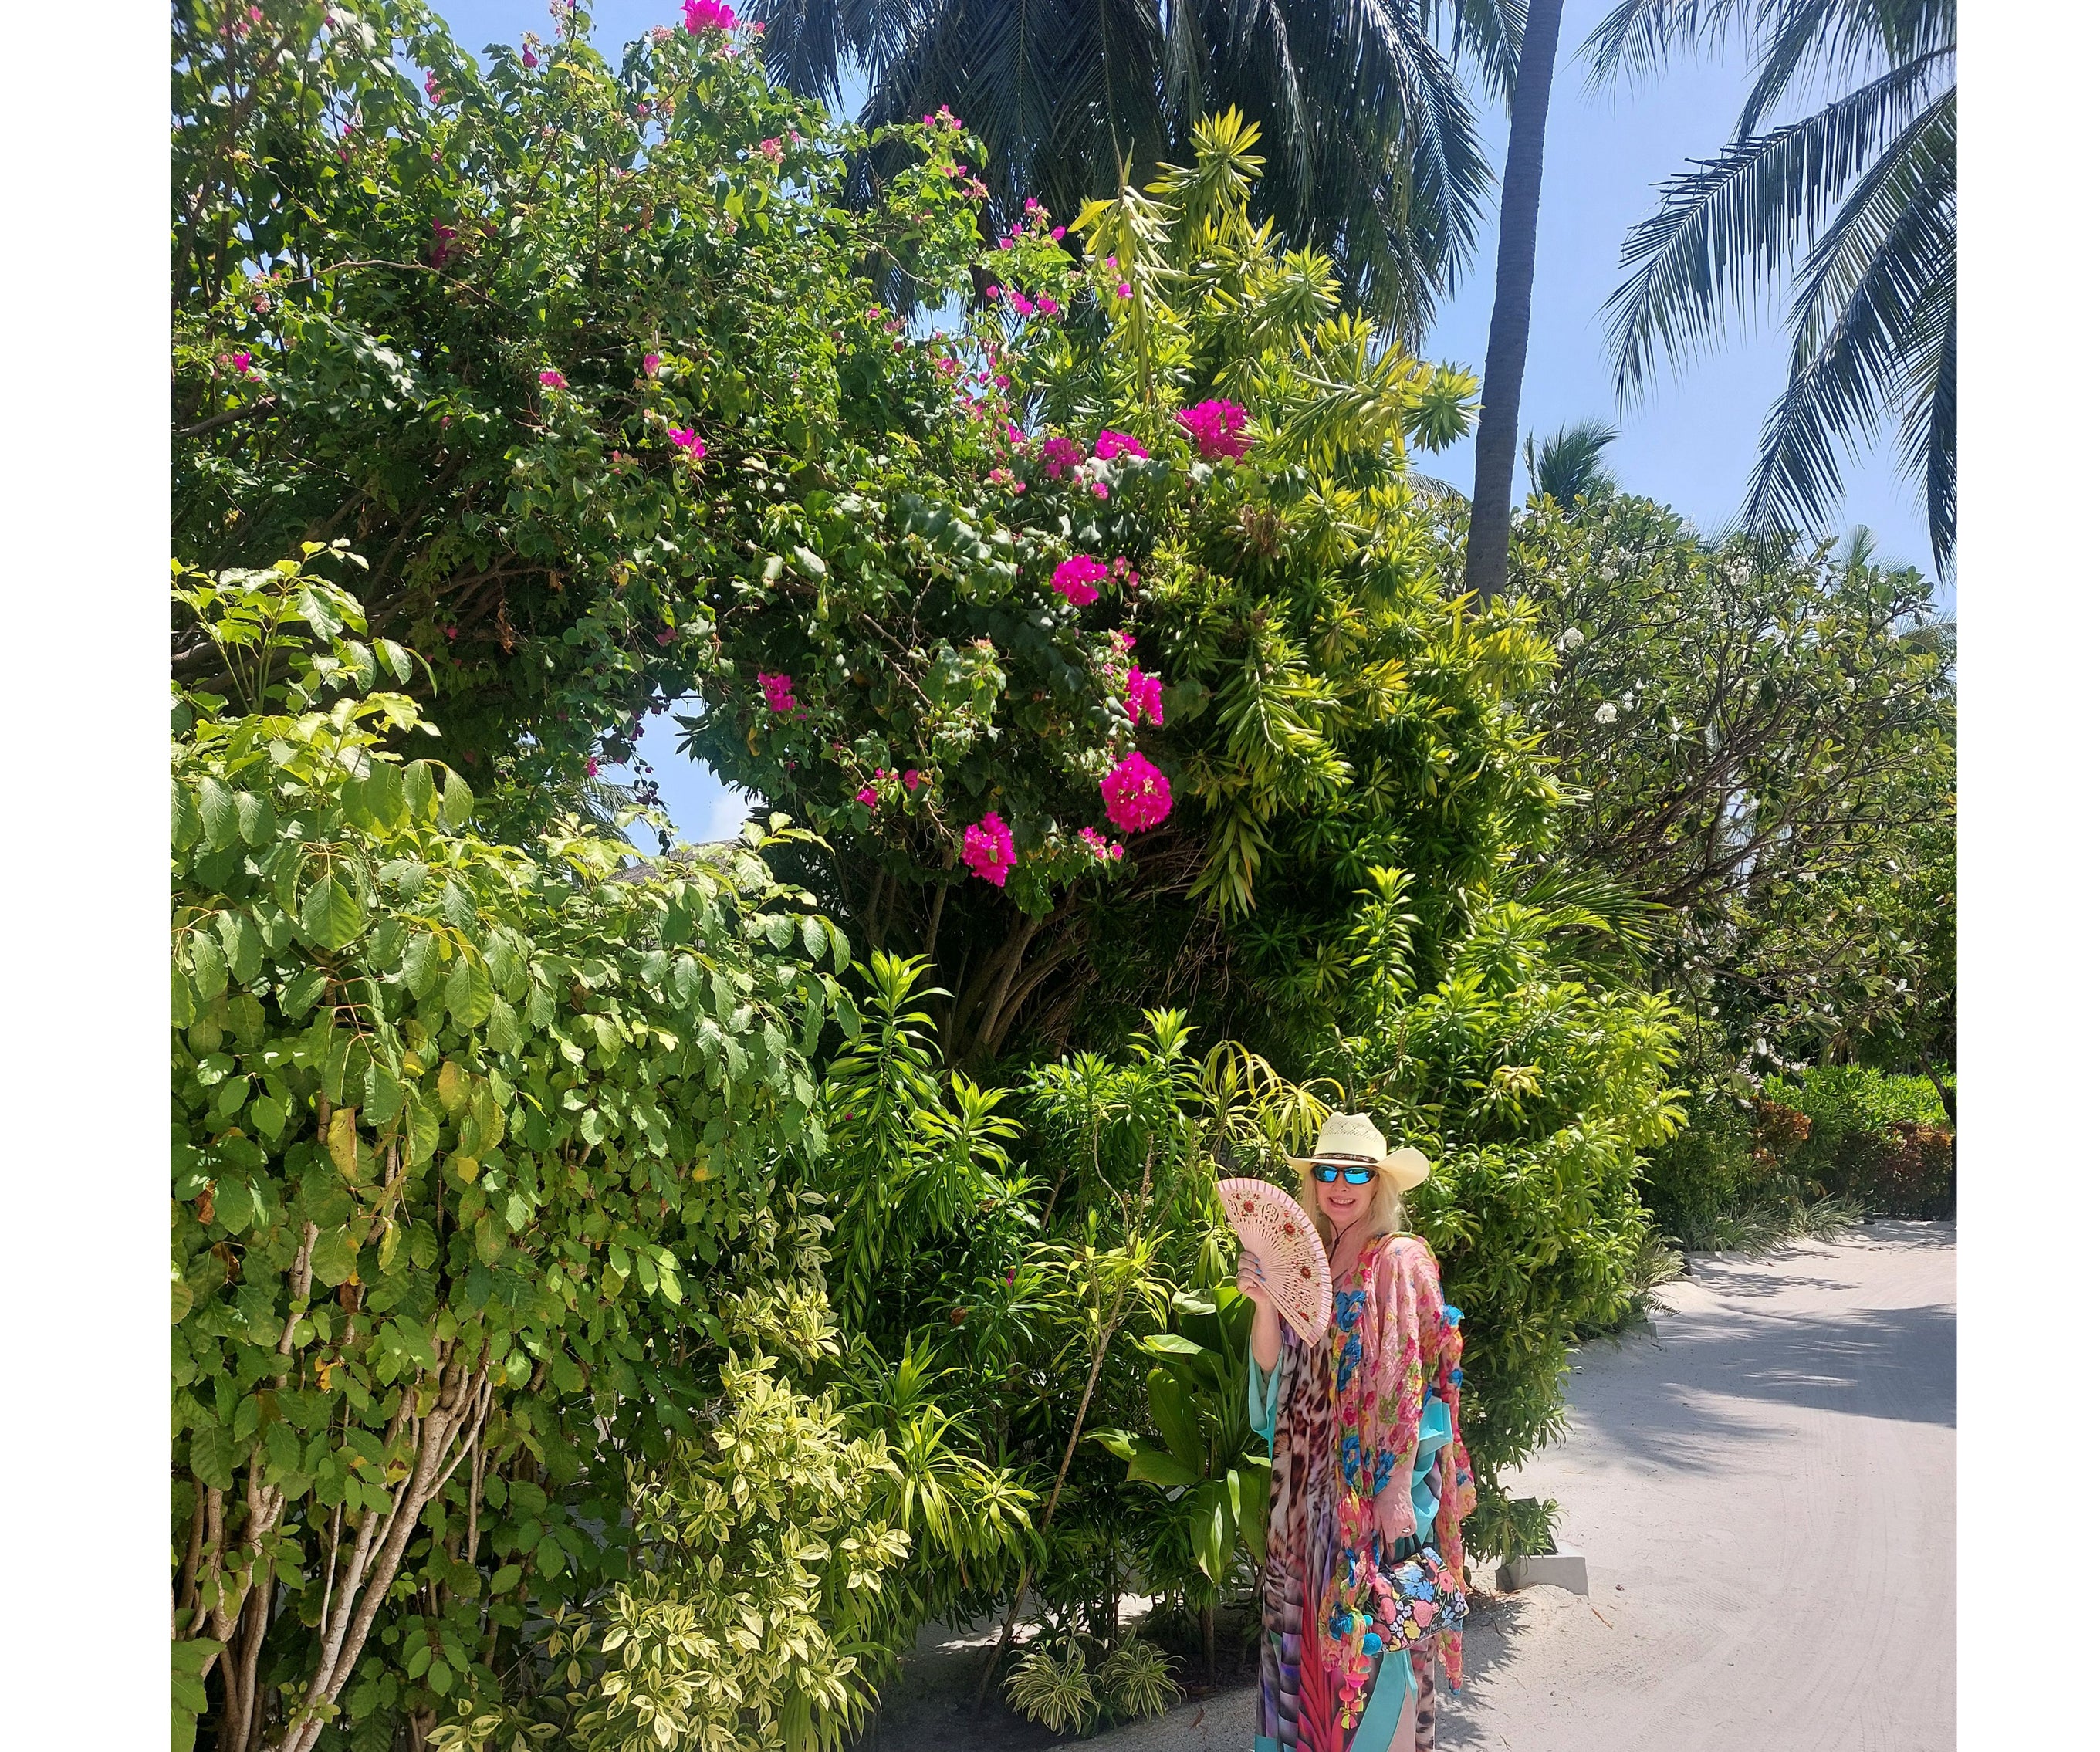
<point>1327,1172</point>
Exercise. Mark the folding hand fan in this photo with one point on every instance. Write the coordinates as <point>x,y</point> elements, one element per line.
<point>1273,1227</point>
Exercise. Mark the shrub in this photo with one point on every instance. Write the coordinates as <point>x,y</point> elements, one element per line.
<point>460,1133</point>
<point>1880,1139</point>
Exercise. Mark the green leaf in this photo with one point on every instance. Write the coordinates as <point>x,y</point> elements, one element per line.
<point>222,822</point>
<point>457,809</point>
<point>1148,1466</point>
<point>468,995</point>
<point>334,1256</point>
<point>300,993</point>
<point>1175,1417</point>
<point>258,819</point>
<point>419,790</point>
<point>332,915</point>
<point>420,963</point>
<point>211,1456</point>
<point>243,943</point>
<point>209,964</point>
<point>185,825</point>
<point>182,1001</point>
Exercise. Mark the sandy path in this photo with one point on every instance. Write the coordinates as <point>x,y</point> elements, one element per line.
<point>1765,1493</point>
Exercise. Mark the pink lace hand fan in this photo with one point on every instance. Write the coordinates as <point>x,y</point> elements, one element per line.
<point>1273,1227</point>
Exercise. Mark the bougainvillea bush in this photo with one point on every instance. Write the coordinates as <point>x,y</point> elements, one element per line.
<point>485,1220</point>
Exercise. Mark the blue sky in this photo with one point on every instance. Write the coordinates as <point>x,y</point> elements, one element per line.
<point>1689,442</point>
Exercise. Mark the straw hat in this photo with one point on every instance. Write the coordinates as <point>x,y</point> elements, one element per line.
<point>1353,1141</point>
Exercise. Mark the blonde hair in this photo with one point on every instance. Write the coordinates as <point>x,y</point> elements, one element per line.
<point>1388,1207</point>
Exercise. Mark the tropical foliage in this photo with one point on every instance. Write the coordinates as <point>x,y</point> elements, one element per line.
<point>546,341</point>
<point>613,1305</point>
<point>458,1126</point>
<point>1378,164</point>
<point>1762,744</point>
<point>1861,189</point>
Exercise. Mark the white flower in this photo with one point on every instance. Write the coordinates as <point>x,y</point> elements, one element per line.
<point>1570,640</point>
<point>1607,713</point>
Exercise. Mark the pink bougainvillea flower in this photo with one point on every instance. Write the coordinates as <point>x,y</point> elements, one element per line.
<point>689,441</point>
<point>1006,243</point>
<point>590,766</point>
<point>1135,794</point>
<point>1060,455</point>
<point>988,849</point>
<point>1214,427</point>
<point>1023,306</point>
<point>1110,445</point>
<point>779,691</point>
<point>1048,306</point>
<point>1111,262</point>
<point>650,362</point>
<point>869,795</point>
<point>431,89</point>
<point>1127,641</point>
<point>1075,578</point>
<point>708,15</point>
<point>441,248</point>
<point>553,380</point>
<point>1143,699</point>
<point>1057,234</point>
<point>531,60</point>
<point>1100,489</point>
<point>911,778</point>
<point>663,635</point>
<point>1122,289</point>
<point>770,151</point>
<point>243,362</point>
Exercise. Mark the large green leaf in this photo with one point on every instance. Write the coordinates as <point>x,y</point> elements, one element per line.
<point>1175,1417</point>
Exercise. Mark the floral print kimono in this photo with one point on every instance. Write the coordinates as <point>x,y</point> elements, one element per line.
<point>1351,1626</point>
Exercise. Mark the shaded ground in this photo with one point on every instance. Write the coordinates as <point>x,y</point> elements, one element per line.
<point>1765,1493</point>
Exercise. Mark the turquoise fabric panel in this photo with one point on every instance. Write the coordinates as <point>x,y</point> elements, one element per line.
<point>1262,1385</point>
<point>1435,1435</point>
<point>1392,1695</point>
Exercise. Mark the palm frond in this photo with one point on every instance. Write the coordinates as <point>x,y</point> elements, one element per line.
<point>1726,226</point>
<point>1637,36</point>
<point>1570,465</point>
<point>1887,262</point>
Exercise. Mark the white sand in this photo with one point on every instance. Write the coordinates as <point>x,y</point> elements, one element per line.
<point>1765,1493</point>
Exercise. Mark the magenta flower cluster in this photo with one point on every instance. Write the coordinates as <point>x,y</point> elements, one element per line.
<point>1104,851</point>
<point>1075,578</point>
<point>1110,445</point>
<point>1061,457</point>
<point>779,691</point>
<point>553,380</point>
<point>1214,427</point>
<point>1135,794</point>
<point>1143,699</point>
<point>988,849</point>
<point>708,15</point>
<point>685,439</point>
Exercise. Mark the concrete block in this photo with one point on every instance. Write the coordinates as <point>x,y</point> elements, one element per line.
<point>1556,1569</point>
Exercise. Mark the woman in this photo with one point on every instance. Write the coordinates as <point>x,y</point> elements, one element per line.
<point>1362,1584</point>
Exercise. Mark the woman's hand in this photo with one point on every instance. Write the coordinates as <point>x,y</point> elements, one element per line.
<point>1266,1339</point>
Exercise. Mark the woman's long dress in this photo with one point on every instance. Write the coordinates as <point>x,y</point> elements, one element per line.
<point>1374,1406</point>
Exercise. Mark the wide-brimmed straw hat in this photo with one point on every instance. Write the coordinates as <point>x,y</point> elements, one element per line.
<point>1352,1140</point>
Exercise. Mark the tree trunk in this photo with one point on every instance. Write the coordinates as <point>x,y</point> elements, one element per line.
<point>1509,329</point>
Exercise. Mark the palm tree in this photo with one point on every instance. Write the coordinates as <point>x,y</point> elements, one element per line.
<point>1509,327</point>
<point>1866,183</point>
<point>1570,465</point>
<point>1373,155</point>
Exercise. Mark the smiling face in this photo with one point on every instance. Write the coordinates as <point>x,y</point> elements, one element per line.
<point>1341,1203</point>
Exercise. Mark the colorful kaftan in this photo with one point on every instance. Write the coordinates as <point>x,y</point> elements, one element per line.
<point>1372,1408</point>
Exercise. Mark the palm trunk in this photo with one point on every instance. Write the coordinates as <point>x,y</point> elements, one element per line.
<point>1509,329</point>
